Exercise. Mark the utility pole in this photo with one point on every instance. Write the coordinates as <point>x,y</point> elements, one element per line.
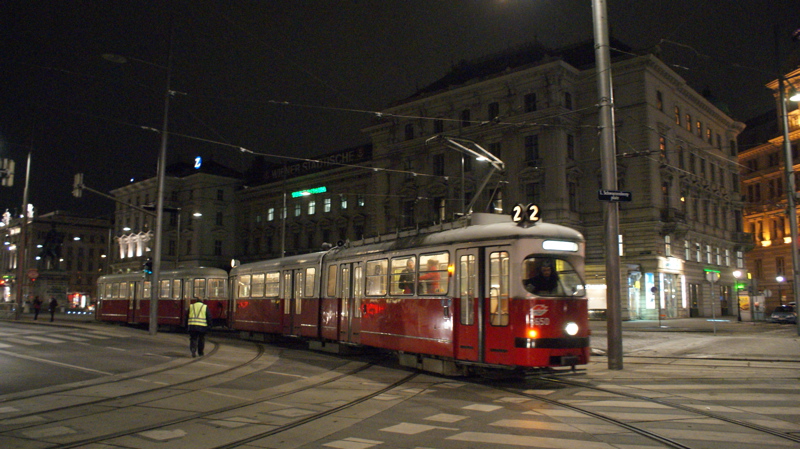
<point>608,165</point>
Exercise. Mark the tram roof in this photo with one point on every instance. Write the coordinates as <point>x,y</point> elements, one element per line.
<point>478,228</point>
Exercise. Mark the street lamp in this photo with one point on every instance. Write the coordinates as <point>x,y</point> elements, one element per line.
<point>737,274</point>
<point>161,174</point>
<point>780,280</point>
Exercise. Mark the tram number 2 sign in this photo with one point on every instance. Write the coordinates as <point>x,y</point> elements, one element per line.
<point>525,214</point>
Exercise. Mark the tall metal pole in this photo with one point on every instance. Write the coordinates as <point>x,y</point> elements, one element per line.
<point>608,165</point>
<point>162,168</point>
<point>791,189</point>
<point>22,248</point>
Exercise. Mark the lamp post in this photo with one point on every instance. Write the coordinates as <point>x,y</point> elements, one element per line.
<point>161,175</point>
<point>780,280</point>
<point>737,274</point>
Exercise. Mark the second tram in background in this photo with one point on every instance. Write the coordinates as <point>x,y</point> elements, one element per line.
<point>483,293</point>
<point>126,297</point>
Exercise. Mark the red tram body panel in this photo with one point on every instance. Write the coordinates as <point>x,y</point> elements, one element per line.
<point>484,293</point>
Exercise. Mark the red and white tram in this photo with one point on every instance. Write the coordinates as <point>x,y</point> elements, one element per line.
<point>126,297</point>
<point>483,293</point>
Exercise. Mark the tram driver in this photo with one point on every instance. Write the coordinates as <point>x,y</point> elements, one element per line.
<point>544,279</point>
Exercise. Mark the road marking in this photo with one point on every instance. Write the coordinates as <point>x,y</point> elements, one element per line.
<point>51,362</point>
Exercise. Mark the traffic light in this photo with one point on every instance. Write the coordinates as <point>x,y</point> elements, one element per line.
<point>147,267</point>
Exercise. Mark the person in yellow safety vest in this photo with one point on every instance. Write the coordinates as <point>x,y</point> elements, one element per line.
<point>199,322</point>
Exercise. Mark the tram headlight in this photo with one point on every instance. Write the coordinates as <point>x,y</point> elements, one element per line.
<point>571,328</point>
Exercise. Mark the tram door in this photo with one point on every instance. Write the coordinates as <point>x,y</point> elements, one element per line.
<point>498,342</point>
<point>288,302</point>
<point>468,322</point>
<point>352,290</point>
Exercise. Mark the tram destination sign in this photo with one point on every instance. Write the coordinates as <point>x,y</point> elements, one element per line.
<point>613,195</point>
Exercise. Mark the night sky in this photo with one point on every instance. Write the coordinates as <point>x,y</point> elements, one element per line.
<point>302,77</point>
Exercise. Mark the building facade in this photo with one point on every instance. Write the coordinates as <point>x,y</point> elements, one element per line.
<point>537,112</point>
<point>761,159</point>
<point>63,255</point>
<point>199,219</point>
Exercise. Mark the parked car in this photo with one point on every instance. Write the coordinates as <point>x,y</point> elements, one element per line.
<point>783,314</point>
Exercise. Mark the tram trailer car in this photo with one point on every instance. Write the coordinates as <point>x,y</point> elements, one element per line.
<point>453,301</point>
<point>125,298</point>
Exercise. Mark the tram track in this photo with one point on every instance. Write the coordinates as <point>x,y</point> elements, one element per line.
<point>592,405</point>
<point>355,371</point>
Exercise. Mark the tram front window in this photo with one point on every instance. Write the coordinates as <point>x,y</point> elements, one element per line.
<point>550,276</point>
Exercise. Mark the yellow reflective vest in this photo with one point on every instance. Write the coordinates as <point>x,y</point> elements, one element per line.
<point>197,314</point>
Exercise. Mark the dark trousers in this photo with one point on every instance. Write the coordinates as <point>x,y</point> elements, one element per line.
<point>36,313</point>
<point>197,341</point>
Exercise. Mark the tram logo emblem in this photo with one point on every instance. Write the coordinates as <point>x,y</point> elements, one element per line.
<point>539,310</point>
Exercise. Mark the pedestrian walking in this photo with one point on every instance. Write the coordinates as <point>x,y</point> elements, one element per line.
<point>37,307</point>
<point>52,308</point>
<point>199,322</point>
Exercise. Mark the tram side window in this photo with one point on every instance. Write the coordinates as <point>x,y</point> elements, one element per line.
<point>403,276</point>
<point>311,274</point>
<point>433,273</point>
<point>199,289</point>
<point>551,276</point>
<point>498,290</point>
<point>146,293</point>
<point>243,286</point>
<point>257,285</point>
<point>176,289</point>
<point>216,288</point>
<point>272,287</point>
<point>164,288</point>
<point>376,277</point>
<point>330,290</point>
<point>123,290</point>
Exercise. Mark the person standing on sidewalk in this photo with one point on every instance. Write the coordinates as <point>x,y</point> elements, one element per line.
<point>198,324</point>
<point>52,308</point>
<point>37,307</point>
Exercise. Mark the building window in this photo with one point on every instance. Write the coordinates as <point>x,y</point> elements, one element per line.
<point>687,250</point>
<point>298,209</point>
<point>532,150</point>
<point>408,213</point>
<point>659,100</point>
<point>439,209</point>
<point>495,149</point>
<point>465,118</point>
<point>312,207</point>
<point>493,110</point>
<point>326,207</point>
<point>533,192</point>
<point>438,164</point>
<point>662,148</point>
<point>668,245</point>
<point>409,131</point>
<point>708,253</point>
<point>530,102</point>
<point>360,200</point>
<point>172,248</point>
<point>568,100</point>
<point>573,196</point>
<point>665,188</point>
<point>698,254</point>
<point>217,247</point>
<point>678,115</point>
<point>570,147</point>
<point>189,247</point>
<point>780,267</point>
<point>271,214</point>
<point>688,122</point>
<point>699,127</point>
<point>219,218</point>
<point>343,202</point>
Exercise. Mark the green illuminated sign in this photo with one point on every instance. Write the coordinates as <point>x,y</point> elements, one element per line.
<point>308,192</point>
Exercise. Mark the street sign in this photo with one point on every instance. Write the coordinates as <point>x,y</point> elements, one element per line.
<point>613,195</point>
